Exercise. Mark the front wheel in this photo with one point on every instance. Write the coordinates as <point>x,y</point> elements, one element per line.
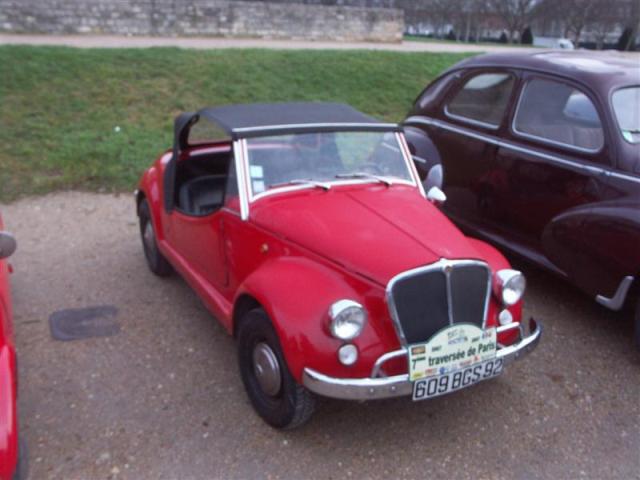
<point>155,260</point>
<point>274,393</point>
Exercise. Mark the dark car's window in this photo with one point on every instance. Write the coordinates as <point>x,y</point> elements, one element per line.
<point>559,113</point>
<point>626,105</point>
<point>432,93</point>
<point>483,99</point>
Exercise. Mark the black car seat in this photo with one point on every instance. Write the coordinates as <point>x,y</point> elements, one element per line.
<point>202,195</point>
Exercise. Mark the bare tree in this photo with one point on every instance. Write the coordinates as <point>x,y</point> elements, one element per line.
<point>604,20</point>
<point>631,22</point>
<point>578,14</point>
<point>515,14</point>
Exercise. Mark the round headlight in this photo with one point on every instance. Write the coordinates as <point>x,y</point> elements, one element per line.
<point>511,286</point>
<point>347,319</point>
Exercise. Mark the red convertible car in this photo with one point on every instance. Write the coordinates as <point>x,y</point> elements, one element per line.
<point>11,464</point>
<point>541,155</point>
<point>305,230</point>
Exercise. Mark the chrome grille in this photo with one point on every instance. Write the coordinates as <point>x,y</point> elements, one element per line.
<point>427,299</point>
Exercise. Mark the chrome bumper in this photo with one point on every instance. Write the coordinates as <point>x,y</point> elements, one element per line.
<point>399,385</point>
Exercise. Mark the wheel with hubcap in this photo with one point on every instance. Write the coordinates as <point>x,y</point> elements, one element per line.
<point>156,261</point>
<point>274,393</point>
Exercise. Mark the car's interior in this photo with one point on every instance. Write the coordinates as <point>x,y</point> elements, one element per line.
<point>557,112</point>
<point>201,181</point>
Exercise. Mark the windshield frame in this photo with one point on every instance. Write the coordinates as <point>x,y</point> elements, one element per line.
<point>251,197</point>
<point>619,128</point>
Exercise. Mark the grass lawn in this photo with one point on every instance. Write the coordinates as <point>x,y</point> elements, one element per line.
<point>59,107</point>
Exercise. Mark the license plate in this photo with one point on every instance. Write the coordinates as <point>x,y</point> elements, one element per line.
<point>439,385</point>
<point>451,349</point>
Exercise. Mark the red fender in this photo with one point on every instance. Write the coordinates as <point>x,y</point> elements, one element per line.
<point>297,292</point>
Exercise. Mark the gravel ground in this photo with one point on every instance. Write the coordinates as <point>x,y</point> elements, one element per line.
<point>163,399</point>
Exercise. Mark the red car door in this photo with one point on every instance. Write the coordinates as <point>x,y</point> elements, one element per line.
<point>195,228</point>
<point>199,241</point>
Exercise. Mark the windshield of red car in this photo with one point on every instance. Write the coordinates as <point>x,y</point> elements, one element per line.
<point>328,157</point>
<point>626,103</point>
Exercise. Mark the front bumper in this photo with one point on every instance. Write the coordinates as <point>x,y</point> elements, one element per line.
<point>377,387</point>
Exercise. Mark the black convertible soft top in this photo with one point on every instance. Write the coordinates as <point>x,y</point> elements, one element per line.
<point>262,119</point>
<point>254,119</point>
<point>258,117</point>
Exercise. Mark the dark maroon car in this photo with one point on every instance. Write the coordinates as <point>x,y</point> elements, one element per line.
<point>540,154</point>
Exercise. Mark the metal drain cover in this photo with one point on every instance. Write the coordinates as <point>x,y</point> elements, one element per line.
<point>79,323</point>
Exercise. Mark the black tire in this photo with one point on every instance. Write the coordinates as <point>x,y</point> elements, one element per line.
<point>292,405</point>
<point>156,261</point>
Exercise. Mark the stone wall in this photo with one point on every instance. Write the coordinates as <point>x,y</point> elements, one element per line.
<point>202,17</point>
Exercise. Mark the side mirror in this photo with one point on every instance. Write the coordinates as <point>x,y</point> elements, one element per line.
<point>436,196</point>
<point>8,245</point>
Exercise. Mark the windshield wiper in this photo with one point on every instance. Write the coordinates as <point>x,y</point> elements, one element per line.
<point>302,181</point>
<point>371,176</point>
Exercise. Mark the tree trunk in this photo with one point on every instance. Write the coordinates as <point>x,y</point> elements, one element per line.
<point>467,29</point>
<point>576,41</point>
<point>632,38</point>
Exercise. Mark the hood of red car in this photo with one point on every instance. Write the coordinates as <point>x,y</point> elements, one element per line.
<point>374,230</point>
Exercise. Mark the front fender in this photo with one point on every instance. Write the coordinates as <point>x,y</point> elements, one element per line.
<point>296,293</point>
<point>150,186</point>
<point>596,245</point>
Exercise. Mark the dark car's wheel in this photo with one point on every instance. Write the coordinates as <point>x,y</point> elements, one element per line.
<point>156,261</point>
<point>276,396</point>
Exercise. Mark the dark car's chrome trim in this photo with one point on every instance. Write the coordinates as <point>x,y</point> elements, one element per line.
<point>419,120</point>
<point>442,265</point>
<point>617,301</point>
<point>375,388</point>
<point>470,121</point>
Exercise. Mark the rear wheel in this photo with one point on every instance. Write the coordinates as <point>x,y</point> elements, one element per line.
<point>155,260</point>
<point>274,393</point>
